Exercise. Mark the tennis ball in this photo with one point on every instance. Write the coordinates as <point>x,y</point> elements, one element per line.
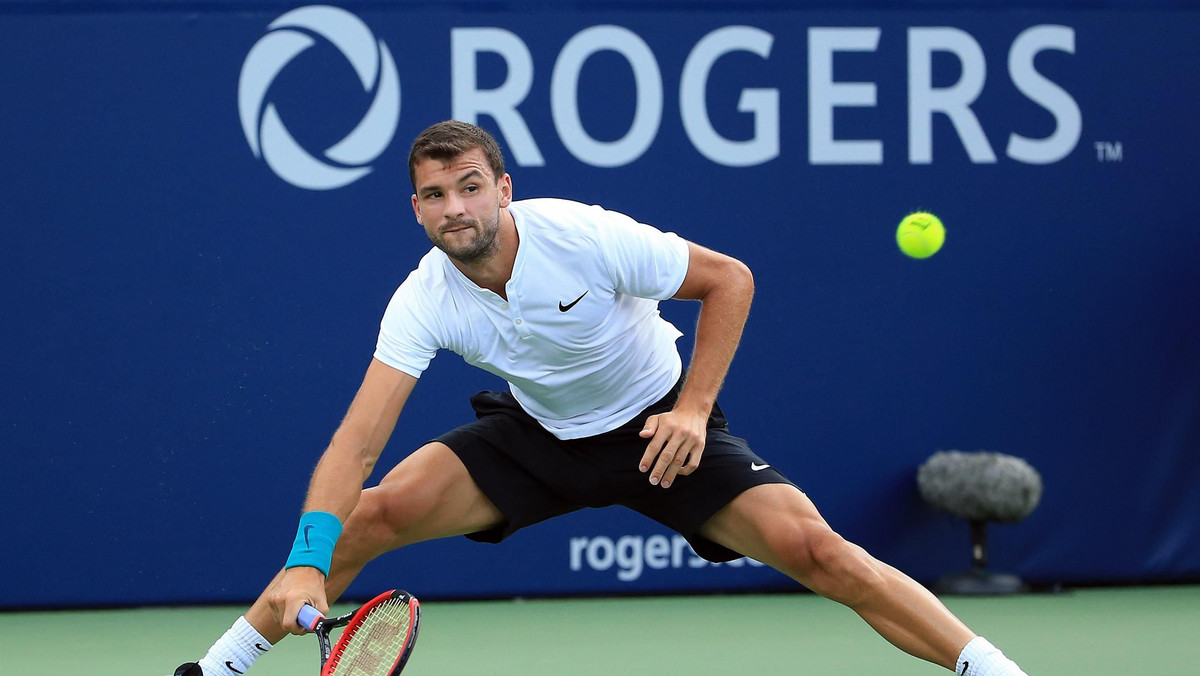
<point>920,234</point>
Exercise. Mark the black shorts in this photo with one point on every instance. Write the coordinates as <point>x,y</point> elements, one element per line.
<point>531,475</point>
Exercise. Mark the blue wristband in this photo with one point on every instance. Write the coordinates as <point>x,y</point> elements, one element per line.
<point>315,538</point>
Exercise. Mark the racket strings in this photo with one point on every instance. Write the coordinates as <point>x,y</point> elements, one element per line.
<point>375,643</point>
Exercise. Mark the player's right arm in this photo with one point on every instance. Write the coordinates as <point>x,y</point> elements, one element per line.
<point>337,482</point>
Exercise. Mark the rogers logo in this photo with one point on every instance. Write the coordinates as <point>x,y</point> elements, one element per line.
<point>631,555</point>
<point>349,159</point>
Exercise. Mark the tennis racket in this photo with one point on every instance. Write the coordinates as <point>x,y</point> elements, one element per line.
<point>378,638</point>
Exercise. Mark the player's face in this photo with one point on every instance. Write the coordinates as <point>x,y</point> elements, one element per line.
<point>458,203</point>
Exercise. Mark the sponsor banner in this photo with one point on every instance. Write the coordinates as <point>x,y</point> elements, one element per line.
<point>207,209</point>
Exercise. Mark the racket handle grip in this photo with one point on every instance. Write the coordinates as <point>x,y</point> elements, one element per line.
<point>308,617</point>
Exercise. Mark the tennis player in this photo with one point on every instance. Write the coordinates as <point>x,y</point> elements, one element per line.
<point>561,300</point>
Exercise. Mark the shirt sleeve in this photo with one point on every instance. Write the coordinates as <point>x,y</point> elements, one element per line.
<point>643,260</point>
<point>408,333</point>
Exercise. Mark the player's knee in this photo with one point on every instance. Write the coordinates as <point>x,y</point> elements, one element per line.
<point>833,567</point>
<point>378,521</point>
<point>395,507</point>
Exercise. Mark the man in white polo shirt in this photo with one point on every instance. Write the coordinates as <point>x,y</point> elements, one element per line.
<point>561,300</point>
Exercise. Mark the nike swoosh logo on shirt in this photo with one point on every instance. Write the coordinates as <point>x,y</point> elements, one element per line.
<point>568,306</point>
<point>755,467</point>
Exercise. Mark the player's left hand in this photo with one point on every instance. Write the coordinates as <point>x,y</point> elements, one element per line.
<point>676,443</point>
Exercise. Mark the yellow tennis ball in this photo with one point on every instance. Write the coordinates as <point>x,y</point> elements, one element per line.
<point>920,234</point>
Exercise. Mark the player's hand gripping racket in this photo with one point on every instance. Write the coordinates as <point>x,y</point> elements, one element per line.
<point>377,640</point>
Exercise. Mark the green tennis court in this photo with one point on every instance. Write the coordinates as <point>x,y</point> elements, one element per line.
<point>1089,631</point>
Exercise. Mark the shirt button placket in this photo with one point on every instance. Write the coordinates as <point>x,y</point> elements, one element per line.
<point>514,311</point>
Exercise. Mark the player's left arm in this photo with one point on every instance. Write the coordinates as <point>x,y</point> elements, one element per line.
<point>725,287</point>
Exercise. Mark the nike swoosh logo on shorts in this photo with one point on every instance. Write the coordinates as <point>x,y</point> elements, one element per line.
<point>755,467</point>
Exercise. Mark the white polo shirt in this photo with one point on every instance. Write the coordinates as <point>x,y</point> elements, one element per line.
<point>579,340</point>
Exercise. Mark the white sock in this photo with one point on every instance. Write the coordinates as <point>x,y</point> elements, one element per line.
<point>235,651</point>
<point>981,658</point>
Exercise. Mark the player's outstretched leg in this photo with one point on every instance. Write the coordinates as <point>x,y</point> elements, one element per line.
<point>778,525</point>
<point>428,495</point>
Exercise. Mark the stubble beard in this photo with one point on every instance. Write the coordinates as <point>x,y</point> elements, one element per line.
<point>482,246</point>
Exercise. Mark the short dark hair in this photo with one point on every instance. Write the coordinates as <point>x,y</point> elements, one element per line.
<point>447,140</point>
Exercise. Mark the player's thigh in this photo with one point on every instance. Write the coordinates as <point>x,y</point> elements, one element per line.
<point>771,523</point>
<point>429,495</point>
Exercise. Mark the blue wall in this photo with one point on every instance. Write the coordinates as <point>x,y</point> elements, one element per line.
<point>184,324</point>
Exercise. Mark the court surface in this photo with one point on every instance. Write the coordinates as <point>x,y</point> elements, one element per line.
<point>1097,632</point>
